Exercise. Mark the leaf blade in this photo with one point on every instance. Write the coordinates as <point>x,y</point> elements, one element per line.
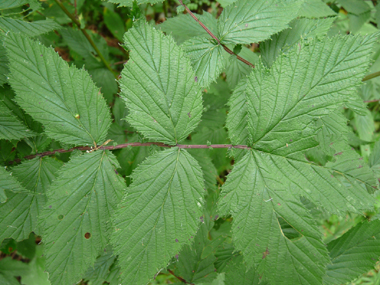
<point>166,189</point>
<point>73,117</point>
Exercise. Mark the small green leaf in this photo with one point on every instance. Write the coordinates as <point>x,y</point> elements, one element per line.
<point>21,211</point>
<point>183,27</point>
<point>207,59</point>
<point>354,253</point>
<point>114,23</point>
<point>29,29</point>
<point>10,183</point>
<point>11,127</point>
<point>315,9</point>
<point>247,21</point>
<point>160,213</point>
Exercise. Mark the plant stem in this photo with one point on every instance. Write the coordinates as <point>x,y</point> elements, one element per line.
<point>372,101</point>
<point>72,17</point>
<point>214,37</point>
<point>125,145</point>
<point>371,76</point>
<point>179,278</point>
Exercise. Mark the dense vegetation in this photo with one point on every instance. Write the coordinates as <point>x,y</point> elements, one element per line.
<point>197,142</point>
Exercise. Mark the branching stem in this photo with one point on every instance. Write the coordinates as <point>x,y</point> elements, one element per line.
<point>214,37</point>
<point>74,19</point>
<point>125,145</point>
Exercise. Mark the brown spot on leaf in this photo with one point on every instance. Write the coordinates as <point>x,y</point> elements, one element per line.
<point>265,253</point>
<point>87,235</point>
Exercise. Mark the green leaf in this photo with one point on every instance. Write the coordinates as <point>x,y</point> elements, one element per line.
<point>365,126</point>
<point>237,273</point>
<point>11,126</point>
<point>207,59</point>
<point>354,253</point>
<point>30,29</point>
<point>333,128</point>
<point>8,182</point>
<point>3,62</point>
<point>77,215</point>
<point>159,86</point>
<point>78,44</point>
<point>236,69</point>
<point>10,268</point>
<point>374,159</point>
<point>22,209</point>
<point>159,215</point>
<point>281,107</point>
<point>247,21</point>
<point>101,270</point>
<point>62,98</point>
<point>129,3</point>
<point>315,9</point>
<point>191,265</point>
<point>183,27</point>
<point>9,4</point>
<point>257,193</point>
<point>114,23</point>
<point>300,29</point>
<point>305,84</point>
<point>354,7</point>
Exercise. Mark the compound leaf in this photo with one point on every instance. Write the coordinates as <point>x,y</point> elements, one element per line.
<point>207,59</point>
<point>62,98</point>
<point>77,214</point>
<point>354,253</point>
<point>159,86</point>
<point>281,107</point>
<point>159,215</point>
<point>21,211</point>
<point>246,21</point>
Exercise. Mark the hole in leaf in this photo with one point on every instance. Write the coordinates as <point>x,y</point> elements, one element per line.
<point>60,217</point>
<point>87,235</point>
<point>288,231</point>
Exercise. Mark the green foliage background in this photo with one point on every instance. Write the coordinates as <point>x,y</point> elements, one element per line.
<point>349,141</point>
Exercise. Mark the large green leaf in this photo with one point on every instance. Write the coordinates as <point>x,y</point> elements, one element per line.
<point>354,253</point>
<point>9,4</point>
<point>62,98</point>
<point>159,86</point>
<point>77,214</point>
<point>246,21</point>
<point>8,182</point>
<point>159,215</point>
<point>207,59</point>
<point>237,273</point>
<point>11,127</point>
<point>259,192</point>
<point>281,107</point>
<point>29,29</point>
<point>183,27</point>
<point>3,62</point>
<point>299,30</point>
<point>22,209</point>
